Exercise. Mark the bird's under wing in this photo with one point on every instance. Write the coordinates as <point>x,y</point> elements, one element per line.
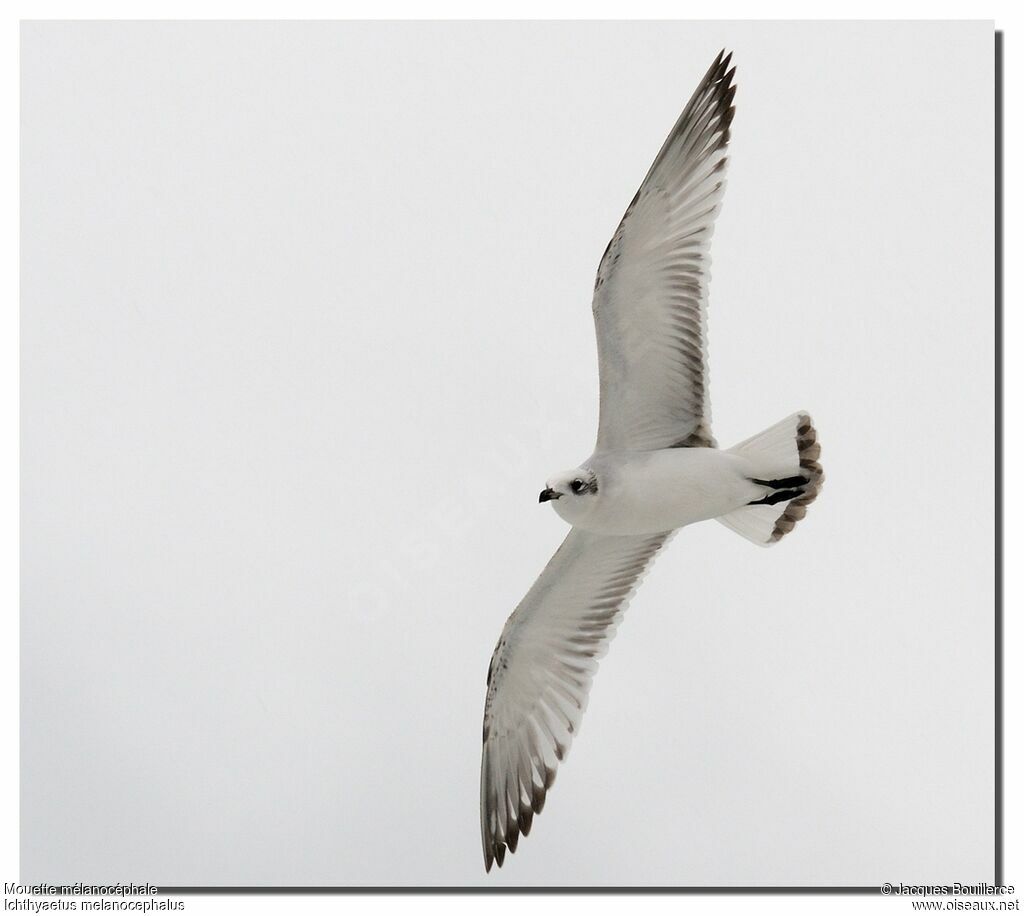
<point>541,671</point>
<point>650,299</point>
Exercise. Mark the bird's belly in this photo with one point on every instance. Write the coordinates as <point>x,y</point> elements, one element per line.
<point>667,491</point>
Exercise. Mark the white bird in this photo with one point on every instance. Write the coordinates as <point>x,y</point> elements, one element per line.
<point>654,469</point>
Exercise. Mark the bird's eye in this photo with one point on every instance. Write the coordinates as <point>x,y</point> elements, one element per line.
<point>576,485</point>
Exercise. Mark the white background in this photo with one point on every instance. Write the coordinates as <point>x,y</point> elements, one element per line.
<point>305,326</point>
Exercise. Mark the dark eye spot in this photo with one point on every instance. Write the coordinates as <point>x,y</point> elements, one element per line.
<point>576,485</point>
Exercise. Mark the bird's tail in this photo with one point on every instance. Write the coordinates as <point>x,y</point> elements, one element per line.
<point>782,454</point>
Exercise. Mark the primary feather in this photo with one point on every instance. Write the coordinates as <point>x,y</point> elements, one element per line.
<point>540,675</point>
<point>650,299</point>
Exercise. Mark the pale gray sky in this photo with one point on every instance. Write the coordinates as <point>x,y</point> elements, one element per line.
<point>306,325</point>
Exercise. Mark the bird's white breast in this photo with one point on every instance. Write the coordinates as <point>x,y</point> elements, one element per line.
<point>645,492</point>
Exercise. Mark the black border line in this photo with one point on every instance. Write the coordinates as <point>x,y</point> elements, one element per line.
<point>998,448</point>
<point>584,889</point>
<point>581,890</point>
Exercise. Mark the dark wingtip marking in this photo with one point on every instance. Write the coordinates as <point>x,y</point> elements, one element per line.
<point>540,795</point>
<point>525,820</point>
<point>725,103</point>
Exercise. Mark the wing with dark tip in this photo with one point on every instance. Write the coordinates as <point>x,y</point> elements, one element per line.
<point>540,675</point>
<point>650,299</point>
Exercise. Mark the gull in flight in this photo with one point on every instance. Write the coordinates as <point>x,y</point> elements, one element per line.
<point>655,468</point>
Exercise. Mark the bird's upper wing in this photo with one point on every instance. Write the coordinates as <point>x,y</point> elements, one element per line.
<point>540,675</point>
<point>651,293</point>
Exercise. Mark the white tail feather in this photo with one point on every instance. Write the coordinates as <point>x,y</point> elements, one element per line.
<point>788,449</point>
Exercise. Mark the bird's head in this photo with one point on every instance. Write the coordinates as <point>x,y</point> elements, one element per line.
<point>573,494</point>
